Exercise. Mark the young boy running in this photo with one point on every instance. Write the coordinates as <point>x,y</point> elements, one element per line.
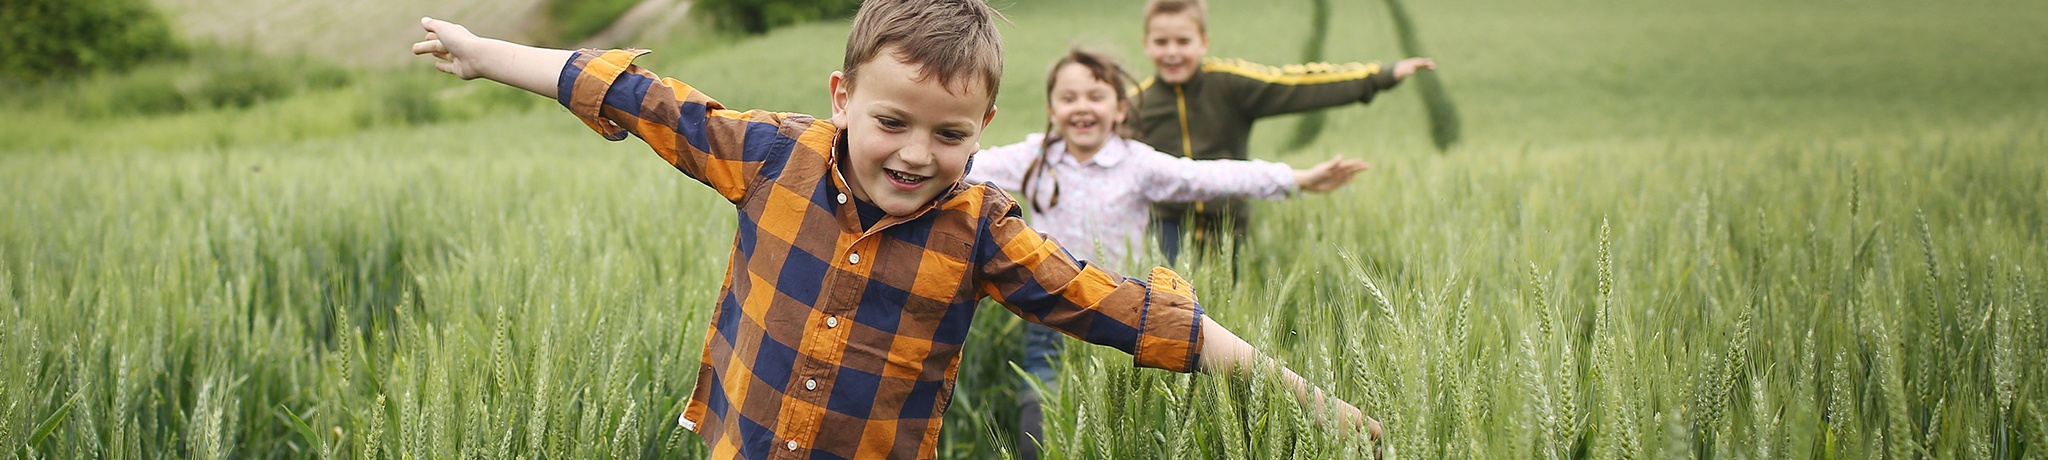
<point>860,255</point>
<point>1201,107</point>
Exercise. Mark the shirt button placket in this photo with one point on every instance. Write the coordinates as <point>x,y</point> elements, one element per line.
<point>810,384</point>
<point>791,444</point>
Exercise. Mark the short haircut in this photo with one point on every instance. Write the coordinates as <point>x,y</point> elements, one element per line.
<point>1193,8</point>
<point>950,39</point>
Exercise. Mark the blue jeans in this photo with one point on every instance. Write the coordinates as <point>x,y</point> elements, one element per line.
<point>1041,350</point>
<point>1167,232</point>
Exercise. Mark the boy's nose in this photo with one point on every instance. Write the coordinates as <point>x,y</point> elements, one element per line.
<point>916,154</point>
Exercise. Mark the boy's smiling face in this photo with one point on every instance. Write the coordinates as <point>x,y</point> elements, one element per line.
<point>908,137</point>
<point>1176,44</point>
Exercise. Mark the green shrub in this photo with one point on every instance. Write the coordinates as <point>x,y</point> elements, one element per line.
<point>405,100</point>
<point>210,78</point>
<point>44,39</point>
<point>757,16</point>
<point>571,21</point>
<point>146,96</point>
<point>416,98</point>
<point>242,83</point>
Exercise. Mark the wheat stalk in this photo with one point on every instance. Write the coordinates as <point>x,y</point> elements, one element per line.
<point>1539,396</point>
<point>543,375</point>
<point>373,435</point>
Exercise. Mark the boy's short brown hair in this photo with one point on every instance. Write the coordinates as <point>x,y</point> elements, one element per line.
<point>1193,8</point>
<point>950,39</point>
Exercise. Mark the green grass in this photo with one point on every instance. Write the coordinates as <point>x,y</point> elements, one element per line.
<point>1729,230</point>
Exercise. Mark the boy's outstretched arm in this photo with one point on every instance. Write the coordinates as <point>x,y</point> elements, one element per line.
<point>1223,352</point>
<point>469,56</point>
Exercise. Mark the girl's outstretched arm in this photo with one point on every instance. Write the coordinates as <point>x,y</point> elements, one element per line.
<point>1329,175</point>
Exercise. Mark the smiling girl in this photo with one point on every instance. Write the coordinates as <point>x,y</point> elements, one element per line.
<point>1092,190</point>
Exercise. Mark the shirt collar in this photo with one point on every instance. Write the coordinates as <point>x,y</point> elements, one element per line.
<point>1113,151</point>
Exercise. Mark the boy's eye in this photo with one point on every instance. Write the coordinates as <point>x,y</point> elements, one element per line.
<point>890,123</point>
<point>952,136</point>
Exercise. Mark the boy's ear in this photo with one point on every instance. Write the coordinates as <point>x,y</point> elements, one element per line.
<point>837,85</point>
<point>990,117</point>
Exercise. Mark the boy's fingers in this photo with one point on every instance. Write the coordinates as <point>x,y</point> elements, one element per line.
<point>429,47</point>
<point>445,66</point>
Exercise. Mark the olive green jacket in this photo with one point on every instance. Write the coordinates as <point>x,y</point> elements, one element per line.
<point>1211,115</point>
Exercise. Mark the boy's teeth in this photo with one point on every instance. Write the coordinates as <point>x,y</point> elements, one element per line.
<point>905,177</point>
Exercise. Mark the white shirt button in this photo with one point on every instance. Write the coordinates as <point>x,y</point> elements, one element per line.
<point>831,321</point>
<point>791,444</point>
<point>853,258</point>
<point>841,199</point>
<point>810,384</point>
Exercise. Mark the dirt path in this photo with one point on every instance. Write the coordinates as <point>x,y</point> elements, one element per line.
<point>649,18</point>
<point>376,33</point>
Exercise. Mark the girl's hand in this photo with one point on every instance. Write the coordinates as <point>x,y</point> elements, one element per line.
<point>1408,67</point>
<point>453,45</point>
<point>1329,175</point>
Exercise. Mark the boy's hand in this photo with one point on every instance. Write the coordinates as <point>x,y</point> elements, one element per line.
<point>1352,418</point>
<point>1329,175</point>
<point>469,56</point>
<point>453,45</point>
<point>1408,67</point>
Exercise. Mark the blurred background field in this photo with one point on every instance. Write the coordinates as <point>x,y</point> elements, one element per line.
<point>1734,229</point>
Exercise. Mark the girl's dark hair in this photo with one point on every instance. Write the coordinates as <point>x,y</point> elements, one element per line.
<point>1105,69</point>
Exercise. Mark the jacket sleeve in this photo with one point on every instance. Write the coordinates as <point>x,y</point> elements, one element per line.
<point>722,148</point>
<point>1262,91</point>
<point>1156,320</point>
<point>1174,179</point>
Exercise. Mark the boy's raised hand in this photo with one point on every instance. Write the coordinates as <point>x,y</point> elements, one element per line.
<point>1408,67</point>
<point>453,45</point>
<point>1329,175</point>
<point>469,56</point>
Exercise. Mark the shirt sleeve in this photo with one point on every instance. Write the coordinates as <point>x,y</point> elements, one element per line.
<point>1170,179</point>
<point>722,148</point>
<point>1262,91</point>
<point>1004,166</point>
<point>1157,320</point>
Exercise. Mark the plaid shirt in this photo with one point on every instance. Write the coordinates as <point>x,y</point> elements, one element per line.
<point>835,341</point>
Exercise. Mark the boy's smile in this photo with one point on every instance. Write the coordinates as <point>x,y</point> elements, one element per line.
<point>1176,44</point>
<point>907,137</point>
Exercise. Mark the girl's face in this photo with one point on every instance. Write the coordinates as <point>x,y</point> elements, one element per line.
<point>1084,110</point>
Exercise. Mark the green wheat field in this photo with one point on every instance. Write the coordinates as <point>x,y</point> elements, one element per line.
<point>1710,229</point>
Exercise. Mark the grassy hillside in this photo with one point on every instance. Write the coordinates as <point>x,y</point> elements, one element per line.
<point>1714,229</point>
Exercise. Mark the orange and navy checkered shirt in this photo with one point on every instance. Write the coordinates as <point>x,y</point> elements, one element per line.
<point>833,340</point>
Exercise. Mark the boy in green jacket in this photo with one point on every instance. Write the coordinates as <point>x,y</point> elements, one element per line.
<point>1202,107</point>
